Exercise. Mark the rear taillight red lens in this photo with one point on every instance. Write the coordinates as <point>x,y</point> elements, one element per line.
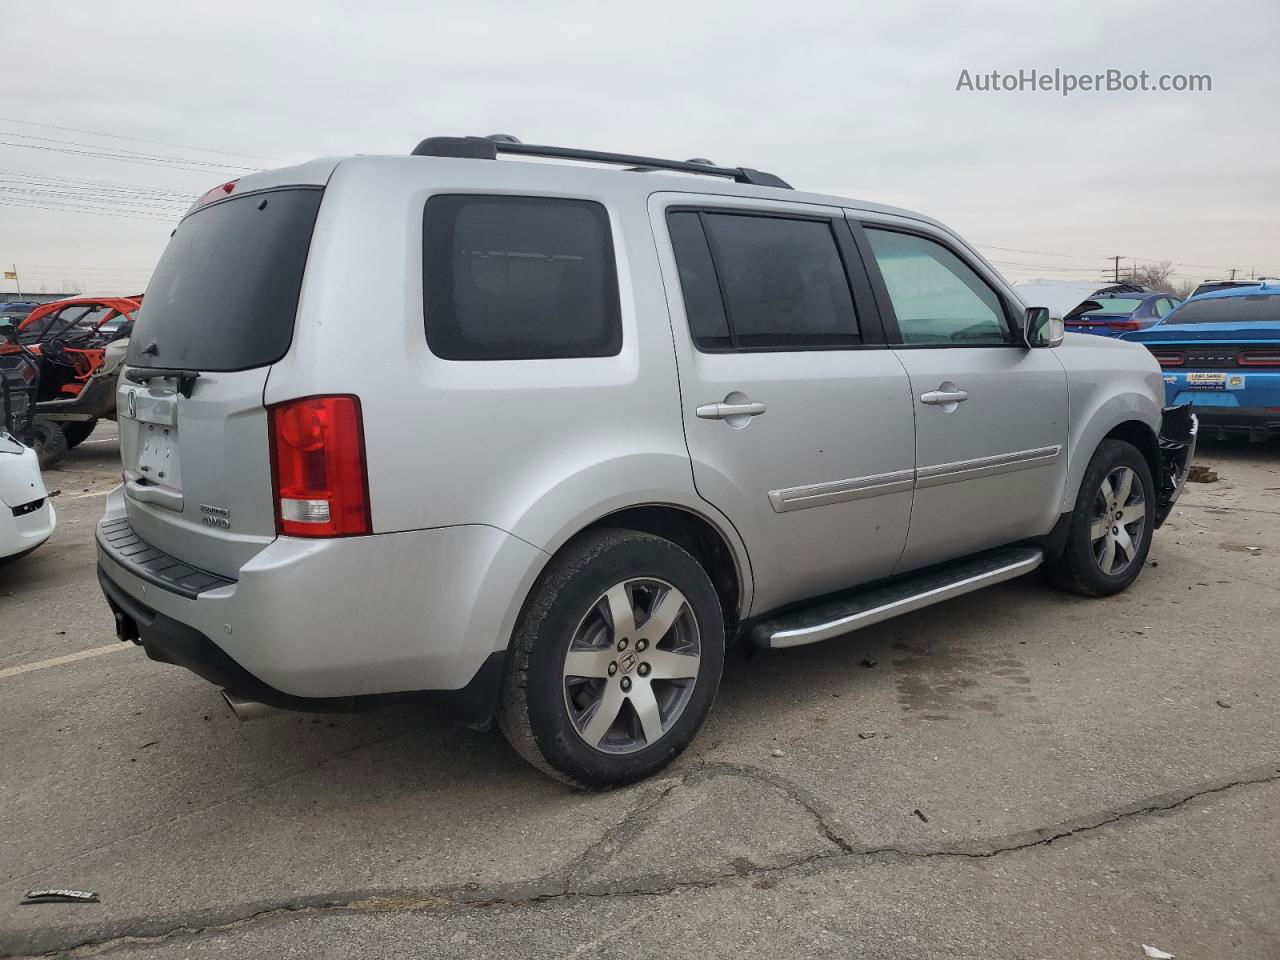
<point>1170,358</point>
<point>1259,358</point>
<point>318,468</point>
<point>1125,325</point>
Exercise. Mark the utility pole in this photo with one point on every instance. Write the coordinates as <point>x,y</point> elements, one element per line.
<point>1117,268</point>
<point>1233,273</point>
<point>16,282</point>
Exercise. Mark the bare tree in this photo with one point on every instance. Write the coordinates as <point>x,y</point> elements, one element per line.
<point>1156,276</point>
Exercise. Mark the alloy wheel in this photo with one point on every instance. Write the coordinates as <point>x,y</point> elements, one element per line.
<point>631,665</point>
<point>1119,521</point>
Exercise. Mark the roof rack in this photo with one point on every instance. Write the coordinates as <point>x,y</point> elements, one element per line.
<point>488,148</point>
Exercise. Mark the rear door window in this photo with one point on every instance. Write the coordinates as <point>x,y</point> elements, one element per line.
<point>225,293</point>
<point>519,278</point>
<point>762,282</point>
<point>784,282</point>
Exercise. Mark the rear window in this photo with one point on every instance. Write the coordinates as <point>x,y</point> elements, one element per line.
<point>225,292</point>
<point>1250,308</point>
<point>1117,305</point>
<point>519,278</point>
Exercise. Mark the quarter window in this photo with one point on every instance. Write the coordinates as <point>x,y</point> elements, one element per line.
<point>936,296</point>
<point>755,282</point>
<point>519,278</point>
<point>702,304</point>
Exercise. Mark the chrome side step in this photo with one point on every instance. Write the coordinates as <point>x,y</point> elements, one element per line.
<point>835,617</point>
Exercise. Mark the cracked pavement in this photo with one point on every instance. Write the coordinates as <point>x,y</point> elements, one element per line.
<point>1020,774</point>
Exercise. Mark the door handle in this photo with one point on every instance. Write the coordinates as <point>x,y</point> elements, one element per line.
<point>943,397</point>
<point>724,411</point>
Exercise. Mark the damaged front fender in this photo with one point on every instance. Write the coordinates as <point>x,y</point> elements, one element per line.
<point>1178,429</point>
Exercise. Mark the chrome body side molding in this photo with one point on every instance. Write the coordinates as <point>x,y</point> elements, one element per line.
<point>856,488</point>
<point>838,491</point>
<point>987,466</point>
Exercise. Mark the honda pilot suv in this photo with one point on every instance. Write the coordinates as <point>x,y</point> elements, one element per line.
<point>538,440</point>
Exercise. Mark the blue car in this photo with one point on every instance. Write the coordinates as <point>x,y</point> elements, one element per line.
<point>1115,314</point>
<point>1220,352</point>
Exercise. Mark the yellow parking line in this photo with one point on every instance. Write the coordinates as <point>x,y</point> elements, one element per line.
<point>68,658</point>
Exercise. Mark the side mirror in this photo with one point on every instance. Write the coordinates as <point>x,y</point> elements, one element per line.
<point>1041,329</point>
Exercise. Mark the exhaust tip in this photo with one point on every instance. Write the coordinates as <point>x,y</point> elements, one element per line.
<point>246,710</point>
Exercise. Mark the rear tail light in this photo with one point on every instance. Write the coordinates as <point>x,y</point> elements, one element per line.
<point>318,468</point>
<point>1260,358</point>
<point>1125,325</point>
<point>1170,359</point>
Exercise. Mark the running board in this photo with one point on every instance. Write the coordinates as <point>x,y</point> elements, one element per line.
<point>833,618</point>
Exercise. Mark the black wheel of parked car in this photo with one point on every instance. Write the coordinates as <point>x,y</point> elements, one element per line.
<point>615,660</point>
<point>48,441</point>
<point>1111,525</point>
<point>77,431</point>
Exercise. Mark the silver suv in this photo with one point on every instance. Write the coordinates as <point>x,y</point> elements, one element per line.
<point>540,439</point>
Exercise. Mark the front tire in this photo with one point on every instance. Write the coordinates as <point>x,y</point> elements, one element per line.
<point>1111,525</point>
<point>615,660</point>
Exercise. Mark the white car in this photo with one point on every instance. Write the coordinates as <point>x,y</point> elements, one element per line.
<point>26,515</point>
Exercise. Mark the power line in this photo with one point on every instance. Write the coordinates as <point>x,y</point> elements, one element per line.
<point>130,153</point>
<point>158,143</point>
<point>10,171</point>
<point>194,166</point>
<point>49,205</point>
<point>106,200</point>
<point>96,186</point>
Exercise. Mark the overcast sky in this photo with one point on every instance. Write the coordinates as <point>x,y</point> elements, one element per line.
<point>852,98</point>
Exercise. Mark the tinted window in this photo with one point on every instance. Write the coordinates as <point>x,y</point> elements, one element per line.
<point>698,283</point>
<point>1250,308</point>
<point>1163,306</point>
<point>225,292</point>
<point>519,278</point>
<point>1117,305</point>
<point>937,298</point>
<point>783,280</point>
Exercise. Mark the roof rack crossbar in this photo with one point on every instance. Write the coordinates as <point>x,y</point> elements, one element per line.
<point>486,148</point>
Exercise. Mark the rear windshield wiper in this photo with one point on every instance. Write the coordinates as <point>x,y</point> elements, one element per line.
<point>186,378</point>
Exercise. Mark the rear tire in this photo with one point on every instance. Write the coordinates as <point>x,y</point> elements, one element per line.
<point>48,441</point>
<point>615,660</point>
<point>77,431</point>
<point>1111,525</point>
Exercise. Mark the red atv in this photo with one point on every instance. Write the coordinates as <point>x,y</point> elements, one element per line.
<point>80,344</point>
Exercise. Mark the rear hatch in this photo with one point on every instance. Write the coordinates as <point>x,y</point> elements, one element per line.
<point>219,311</point>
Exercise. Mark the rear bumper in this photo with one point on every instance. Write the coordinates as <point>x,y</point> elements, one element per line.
<point>310,623</point>
<point>165,640</point>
